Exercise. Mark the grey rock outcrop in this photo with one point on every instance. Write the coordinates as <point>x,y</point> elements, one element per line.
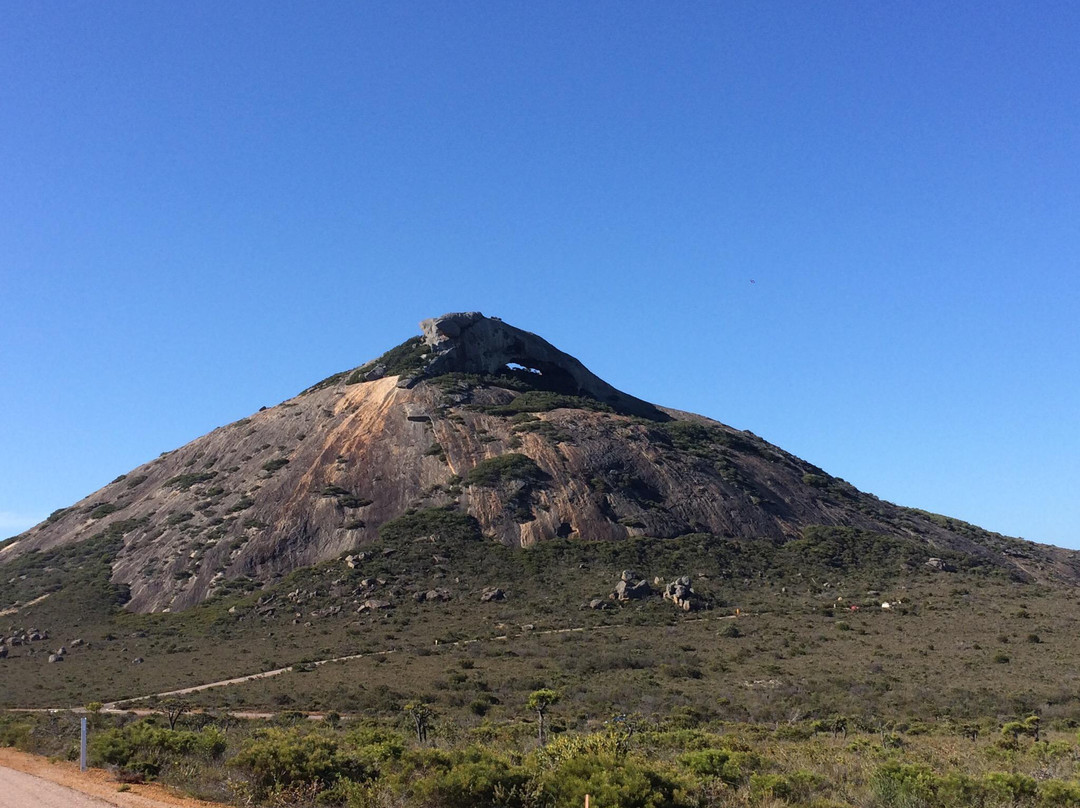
<point>682,594</point>
<point>940,565</point>
<point>469,342</point>
<point>432,596</point>
<point>374,604</point>
<point>630,587</point>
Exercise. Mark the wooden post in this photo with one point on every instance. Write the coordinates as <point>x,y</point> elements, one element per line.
<point>82,744</point>
<point>586,801</point>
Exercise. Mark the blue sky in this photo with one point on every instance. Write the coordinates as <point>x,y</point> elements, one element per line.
<point>852,228</point>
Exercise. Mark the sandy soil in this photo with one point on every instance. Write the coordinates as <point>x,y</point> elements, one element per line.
<point>30,780</point>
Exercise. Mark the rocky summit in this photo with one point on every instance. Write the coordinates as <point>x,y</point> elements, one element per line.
<point>474,425</point>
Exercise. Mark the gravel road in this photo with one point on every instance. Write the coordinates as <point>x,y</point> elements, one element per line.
<point>30,781</point>
<point>18,790</point>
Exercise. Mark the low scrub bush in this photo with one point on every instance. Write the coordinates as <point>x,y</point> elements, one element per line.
<point>146,749</point>
<point>495,471</point>
<point>445,523</point>
<point>276,760</point>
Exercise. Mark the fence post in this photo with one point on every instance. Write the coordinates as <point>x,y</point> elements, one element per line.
<point>82,745</point>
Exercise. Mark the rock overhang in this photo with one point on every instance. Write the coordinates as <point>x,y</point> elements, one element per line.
<point>469,342</point>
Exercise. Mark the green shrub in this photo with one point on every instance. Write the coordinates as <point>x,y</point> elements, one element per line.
<point>104,510</point>
<point>241,504</point>
<point>401,360</point>
<point>183,482</point>
<point>146,749</point>
<point>495,471</point>
<point>901,785</point>
<point>276,758</point>
<point>545,401</point>
<point>271,466</point>
<point>446,523</point>
<point>729,766</point>
<point>626,781</point>
<point>345,498</point>
<point>797,787</point>
<point>474,777</point>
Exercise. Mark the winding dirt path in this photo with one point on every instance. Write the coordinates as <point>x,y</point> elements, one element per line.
<point>112,705</point>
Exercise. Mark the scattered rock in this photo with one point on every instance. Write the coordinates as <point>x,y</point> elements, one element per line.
<point>3,651</point>
<point>373,604</point>
<point>56,657</point>
<point>375,373</point>
<point>682,594</point>
<point>137,660</point>
<point>432,596</point>
<point>598,603</point>
<point>632,590</point>
<point>492,593</point>
<point>940,565</point>
<point>76,642</point>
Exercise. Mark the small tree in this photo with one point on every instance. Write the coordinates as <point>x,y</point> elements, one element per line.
<point>421,717</point>
<point>540,701</point>
<point>173,709</point>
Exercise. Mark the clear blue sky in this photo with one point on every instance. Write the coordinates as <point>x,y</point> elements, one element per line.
<point>852,228</point>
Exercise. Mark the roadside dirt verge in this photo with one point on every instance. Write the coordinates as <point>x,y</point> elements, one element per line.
<point>96,783</point>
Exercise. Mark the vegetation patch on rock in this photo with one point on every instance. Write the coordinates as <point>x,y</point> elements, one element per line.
<point>446,524</point>
<point>495,471</point>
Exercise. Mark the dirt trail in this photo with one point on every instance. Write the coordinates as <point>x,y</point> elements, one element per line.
<point>112,705</point>
<point>13,609</point>
<point>29,780</point>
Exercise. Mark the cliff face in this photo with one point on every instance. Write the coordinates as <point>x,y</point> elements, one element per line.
<point>485,419</point>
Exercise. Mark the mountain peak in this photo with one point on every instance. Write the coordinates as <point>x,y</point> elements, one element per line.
<point>482,428</point>
<point>469,342</point>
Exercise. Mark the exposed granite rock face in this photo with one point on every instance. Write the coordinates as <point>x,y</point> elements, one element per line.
<point>316,477</point>
<point>469,342</point>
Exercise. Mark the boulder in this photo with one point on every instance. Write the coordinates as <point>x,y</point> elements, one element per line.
<point>492,593</point>
<point>682,594</point>
<point>940,565</point>
<point>56,657</point>
<point>373,604</point>
<point>635,590</point>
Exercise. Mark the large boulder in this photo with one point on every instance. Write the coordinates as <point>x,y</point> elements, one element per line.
<point>682,594</point>
<point>632,590</point>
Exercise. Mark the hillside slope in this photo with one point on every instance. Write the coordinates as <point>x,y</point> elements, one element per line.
<point>489,422</point>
